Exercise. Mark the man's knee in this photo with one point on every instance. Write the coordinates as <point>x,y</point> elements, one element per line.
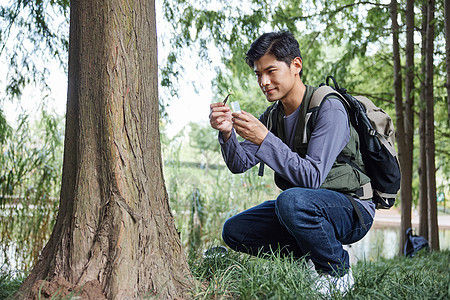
<point>295,207</point>
<point>229,233</point>
<point>292,200</point>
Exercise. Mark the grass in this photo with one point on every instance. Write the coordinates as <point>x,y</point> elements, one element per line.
<point>9,283</point>
<point>237,276</point>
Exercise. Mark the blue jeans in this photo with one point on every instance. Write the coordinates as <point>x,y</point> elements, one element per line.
<point>314,222</point>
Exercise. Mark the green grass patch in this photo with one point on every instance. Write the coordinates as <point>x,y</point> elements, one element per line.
<point>426,276</point>
<point>9,283</point>
<point>239,276</point>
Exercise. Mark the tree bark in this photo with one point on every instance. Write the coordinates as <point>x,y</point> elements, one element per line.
<point>114,225</point>
<point>423,189</point>
<point>400,135</point>
<point>447,51</point>
<point>407,163</point>
<point>433,230</point>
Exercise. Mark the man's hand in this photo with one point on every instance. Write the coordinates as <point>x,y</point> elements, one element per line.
<point>220,119</point>
<point>249,127</point>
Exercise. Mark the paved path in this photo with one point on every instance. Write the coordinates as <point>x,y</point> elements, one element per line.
<point>391,218</point>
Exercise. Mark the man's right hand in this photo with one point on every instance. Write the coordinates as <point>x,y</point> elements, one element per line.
<point>220,119</point>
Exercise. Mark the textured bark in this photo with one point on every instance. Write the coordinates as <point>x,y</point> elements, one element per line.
<point>423,189</point>
<point>433,236</point>
<point>447,51</point>
<point>400,134</point>
<point>114,224</point>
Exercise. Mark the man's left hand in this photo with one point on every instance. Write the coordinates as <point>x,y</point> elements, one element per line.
<point>249,127</point>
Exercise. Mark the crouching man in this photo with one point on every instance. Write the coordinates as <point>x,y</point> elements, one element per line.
<point>314,214</point>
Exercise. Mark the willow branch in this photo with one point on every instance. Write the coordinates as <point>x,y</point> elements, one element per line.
<point>339,9</point>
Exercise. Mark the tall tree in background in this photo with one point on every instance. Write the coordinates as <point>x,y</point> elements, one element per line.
<point>447,52</point>
<point>114,229</point>
<point>400,120</point>
<point>433,234</point>
<point>408,113</point>
<point>423,188</point>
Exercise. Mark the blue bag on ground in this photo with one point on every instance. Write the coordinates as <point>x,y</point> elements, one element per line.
<point>414,243</point>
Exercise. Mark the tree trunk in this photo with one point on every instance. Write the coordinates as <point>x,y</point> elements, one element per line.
<point>400,135</point>
<point>407,163</point>
<point>114,228</point>
<point>433,230</point>
<point>447,51</point>
<point>423,189</point>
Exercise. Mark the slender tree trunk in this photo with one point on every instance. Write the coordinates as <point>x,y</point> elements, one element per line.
<point>447,51</point>
<point>423,189</point>
<point>433,230</point>
<point>114,229</point>
<point>406,206</point>
<point>407,163</point>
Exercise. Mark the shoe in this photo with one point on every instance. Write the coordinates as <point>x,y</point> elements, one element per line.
<point>328,285</point>
<point>311,268</point>
<point>310,265</point>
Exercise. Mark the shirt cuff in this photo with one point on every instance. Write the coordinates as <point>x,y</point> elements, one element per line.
<point>266,148</point>
<point>231,140</point>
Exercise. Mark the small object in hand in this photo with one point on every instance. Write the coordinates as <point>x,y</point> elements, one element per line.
<point>230,91</point>
<point>226,99</point>
<point>235,106</point>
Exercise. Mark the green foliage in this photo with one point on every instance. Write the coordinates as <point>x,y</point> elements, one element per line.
<point>5,129</point>
<point>203,137</point>
<point>10,282</point>
<point>31,160</point>
<point>31,29</point>
<point>231,27</point>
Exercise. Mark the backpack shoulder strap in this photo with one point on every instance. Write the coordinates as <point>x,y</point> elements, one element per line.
<point>316,100</point>
<point>321,93</point>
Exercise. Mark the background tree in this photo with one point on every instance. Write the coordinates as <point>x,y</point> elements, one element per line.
<point>447,52</point>
<point>400,122</point>
<point>114,227</point>
<point>404,113</point>
<point>433,233</point>
<point>423,188</point>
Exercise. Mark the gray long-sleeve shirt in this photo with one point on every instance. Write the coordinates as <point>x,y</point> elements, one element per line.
<point>330,135</point>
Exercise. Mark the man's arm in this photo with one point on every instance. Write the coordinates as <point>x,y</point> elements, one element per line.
<point>238,156</point>
<point>330,135</point>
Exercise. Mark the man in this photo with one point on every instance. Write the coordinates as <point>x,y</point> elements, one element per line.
<point>313,215</point>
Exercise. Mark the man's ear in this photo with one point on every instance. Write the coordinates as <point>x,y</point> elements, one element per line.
<point>297,64</point>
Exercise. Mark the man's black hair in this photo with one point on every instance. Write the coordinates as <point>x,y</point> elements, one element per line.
<point>282,44</point>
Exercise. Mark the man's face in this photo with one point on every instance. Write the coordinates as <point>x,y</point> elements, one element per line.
<point>275,78</point>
